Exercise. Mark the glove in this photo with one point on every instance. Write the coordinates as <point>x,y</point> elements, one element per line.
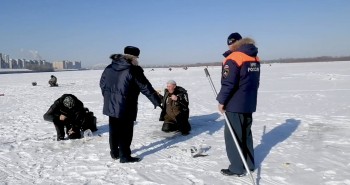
<point>155,106</point>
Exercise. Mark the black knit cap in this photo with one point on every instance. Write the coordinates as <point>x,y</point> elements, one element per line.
<point>131,50</point>
<point>233,37</point>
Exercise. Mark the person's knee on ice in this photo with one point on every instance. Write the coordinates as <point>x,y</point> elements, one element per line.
<point>169,127</point>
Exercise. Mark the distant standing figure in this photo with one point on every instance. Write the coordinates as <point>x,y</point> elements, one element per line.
<point>175,111</point>
<point>121,83</point>
<point>53,81</point>
<point>238,98</point>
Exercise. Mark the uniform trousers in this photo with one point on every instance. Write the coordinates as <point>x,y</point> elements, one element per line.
<point>241,124</point>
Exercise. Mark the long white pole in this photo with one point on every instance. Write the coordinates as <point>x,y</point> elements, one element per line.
<point>231,130</point>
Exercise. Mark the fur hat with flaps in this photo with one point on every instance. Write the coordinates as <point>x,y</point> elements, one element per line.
<point>131,50</point>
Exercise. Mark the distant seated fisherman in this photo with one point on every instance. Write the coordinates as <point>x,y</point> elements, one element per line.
<point>175,111</point>
<point>69,112</point>
<point>53,81</point>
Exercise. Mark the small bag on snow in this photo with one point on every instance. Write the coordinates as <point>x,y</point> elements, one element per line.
<point>90,121</point>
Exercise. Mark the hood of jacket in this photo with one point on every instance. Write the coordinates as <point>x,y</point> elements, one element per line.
<point>245,45</point>
<point>121,62</point>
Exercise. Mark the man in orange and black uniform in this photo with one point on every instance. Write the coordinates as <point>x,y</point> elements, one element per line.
<point>238,98</point>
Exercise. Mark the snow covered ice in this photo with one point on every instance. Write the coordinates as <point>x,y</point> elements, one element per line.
<point>301,130</point>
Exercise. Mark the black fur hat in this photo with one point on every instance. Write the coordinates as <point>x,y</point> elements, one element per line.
<point>131,50</point>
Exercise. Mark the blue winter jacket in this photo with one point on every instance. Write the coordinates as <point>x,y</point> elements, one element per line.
<point>121,83</point>
<point>240,79</point>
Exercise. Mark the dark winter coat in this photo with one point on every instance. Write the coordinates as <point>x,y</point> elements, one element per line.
<point>53,81</point>
<point>175,107</point>
<point>240,78</point>
<point>75,114</point>
<point>121,83</point>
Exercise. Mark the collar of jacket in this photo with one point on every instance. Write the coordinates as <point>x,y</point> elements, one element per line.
<point>129,58</point>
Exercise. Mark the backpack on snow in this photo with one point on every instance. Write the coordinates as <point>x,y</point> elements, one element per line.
<point>89,121</point>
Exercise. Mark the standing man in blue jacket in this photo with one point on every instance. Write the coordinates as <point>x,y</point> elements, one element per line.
<point>238,98</point>
<point>121,83</point>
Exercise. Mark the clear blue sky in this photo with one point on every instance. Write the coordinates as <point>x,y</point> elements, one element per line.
<point>171,31</point>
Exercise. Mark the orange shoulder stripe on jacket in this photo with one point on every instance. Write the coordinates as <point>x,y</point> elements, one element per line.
<point>240,58</point>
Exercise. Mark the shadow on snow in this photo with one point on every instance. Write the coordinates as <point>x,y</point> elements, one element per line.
<point>199,124</point>
<point>272,138</point>
<point>209,123</point>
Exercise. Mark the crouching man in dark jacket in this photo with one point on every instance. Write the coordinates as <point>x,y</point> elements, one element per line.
<point>68,111</point>
<point>175,111</point>
<point>121,83</point>
<point>53,81</point>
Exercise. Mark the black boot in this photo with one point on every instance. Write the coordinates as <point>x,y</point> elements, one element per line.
<point>184,127</point>
<point>60,132</point>
<point>114,155</point>
<point>227,172</point>
<point>130,160</point>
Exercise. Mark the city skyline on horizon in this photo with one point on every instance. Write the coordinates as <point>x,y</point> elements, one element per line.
<point>36,64</point>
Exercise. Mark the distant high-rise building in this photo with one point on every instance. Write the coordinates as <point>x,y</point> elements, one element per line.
<point>21,64</point>
<point>7,59</point>
<point>69,64</point>
<point>13,64</point>
<point>59,65</point>
<point>77,65</point>
<point>0,60</point>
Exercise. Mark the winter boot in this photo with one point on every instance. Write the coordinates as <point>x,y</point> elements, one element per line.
<point>114,155</point>
<point>130,160</point>
<point>227,172</point>
<point>60,132</point>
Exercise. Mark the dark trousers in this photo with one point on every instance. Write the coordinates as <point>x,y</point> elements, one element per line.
<point>59,126</point>
<point>241,124</point>
<point>120,137</point>
<point>180,123</point>
<point>183,124</point>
